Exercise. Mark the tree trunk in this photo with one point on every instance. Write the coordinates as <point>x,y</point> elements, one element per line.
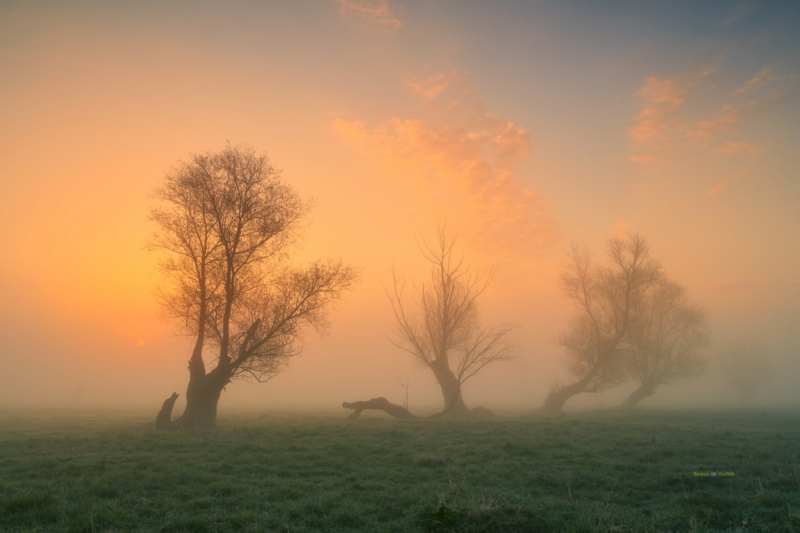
<point>202,396</point>
<point>644,391</point>
<point>555,401</point>
<point>451,389</point>
<point>164,416</point>
<point>451,394</point>
<point>201,402</point>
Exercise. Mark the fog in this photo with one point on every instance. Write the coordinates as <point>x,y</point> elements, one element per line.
<point>394,124</point>
<point>50,365</point>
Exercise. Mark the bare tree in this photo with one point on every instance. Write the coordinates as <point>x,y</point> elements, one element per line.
<point>603,298</point>
<point>440,325</point>
<point>664,339</point>
<point>227,222</point>
<point>747,367</point>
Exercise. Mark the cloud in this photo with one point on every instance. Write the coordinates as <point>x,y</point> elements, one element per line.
<point>662,97</point>
<point>663,91</point>
<point>374,13</point>
<point>472,155</point>
<point>663,124</point>
<point>433,86</point>
<point>717,188</point>
<point>731,147</point>
<point>705,131</point>
<point>737,12</point>
<point>643,159</point>
<point>765,76</point>
<point>619,229</point>
<point>722,185</point>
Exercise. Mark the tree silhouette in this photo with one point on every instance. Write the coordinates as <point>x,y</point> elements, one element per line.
<point>440,328</point>
<point>227,222</point>
<point>664,339</point>
<point>603,298</point>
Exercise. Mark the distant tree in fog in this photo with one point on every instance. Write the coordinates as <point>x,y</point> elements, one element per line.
<point>604,298</point>
<point>746,366</point>
<point>227,222</point>
<point>664,339</point>
<point>439,326</point>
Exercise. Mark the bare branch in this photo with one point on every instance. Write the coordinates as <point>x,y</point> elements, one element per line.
<point>440,325</point>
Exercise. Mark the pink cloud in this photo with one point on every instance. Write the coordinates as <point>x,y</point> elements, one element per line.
<point>643,159</point>
<point>722,185</point>
<point>663,125</point>
<point>663,91</point>
<point>433,86</point>
<point>370,13</point>
<point>473,154</point>
<point>731,147</point>
<point>764,77</point>
<point>620,228</point>
<point>662,98</point>
<point>705,131</point>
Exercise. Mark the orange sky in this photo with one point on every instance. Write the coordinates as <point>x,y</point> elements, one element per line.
<point>525,128</point>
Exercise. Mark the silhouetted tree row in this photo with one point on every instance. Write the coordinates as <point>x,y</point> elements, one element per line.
<point>228,223</point>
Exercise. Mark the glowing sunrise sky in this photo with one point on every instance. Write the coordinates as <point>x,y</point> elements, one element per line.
<point>524,125</point>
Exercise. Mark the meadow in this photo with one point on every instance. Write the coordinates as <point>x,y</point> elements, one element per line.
<point>583,471</point>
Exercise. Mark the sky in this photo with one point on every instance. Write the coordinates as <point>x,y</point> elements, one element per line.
<point>522,126</point>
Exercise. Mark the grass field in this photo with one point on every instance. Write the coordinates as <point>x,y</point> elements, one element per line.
<point>592,471</point>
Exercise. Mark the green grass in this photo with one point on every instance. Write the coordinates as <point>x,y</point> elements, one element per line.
<point>277,472</point>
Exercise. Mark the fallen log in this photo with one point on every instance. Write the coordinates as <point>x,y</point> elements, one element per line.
<point>378,404</point>
<point>398,411</point>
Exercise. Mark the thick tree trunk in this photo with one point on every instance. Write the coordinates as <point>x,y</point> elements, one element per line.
<point>202,396</point>
<point>644,391</point>
<point>555,401</point>
<point>451,388</point>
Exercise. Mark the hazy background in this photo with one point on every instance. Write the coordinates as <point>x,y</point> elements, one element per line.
<point>526,126</point>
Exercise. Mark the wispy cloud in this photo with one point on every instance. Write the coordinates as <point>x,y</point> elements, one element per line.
<point>703,132</point>
<point>718,188</point>
<point>375,13</point>
<point>731,147</point>
<point>431,87</point>
<point>765,76</point>
<point>723,185</point>
<point>737,12</point>
<point>620,228</point>
<point>665,124</point>
<point>644,159</point>
<point>662,97</point>
<point>474,155</point>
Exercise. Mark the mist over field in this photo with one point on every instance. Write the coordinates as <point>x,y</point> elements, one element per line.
<point>585,123</point>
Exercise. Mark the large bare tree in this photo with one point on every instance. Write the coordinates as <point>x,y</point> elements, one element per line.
<point>603,298</point>
<point>439,326</point>
<point>227,222</point>
<point>664,340</point>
